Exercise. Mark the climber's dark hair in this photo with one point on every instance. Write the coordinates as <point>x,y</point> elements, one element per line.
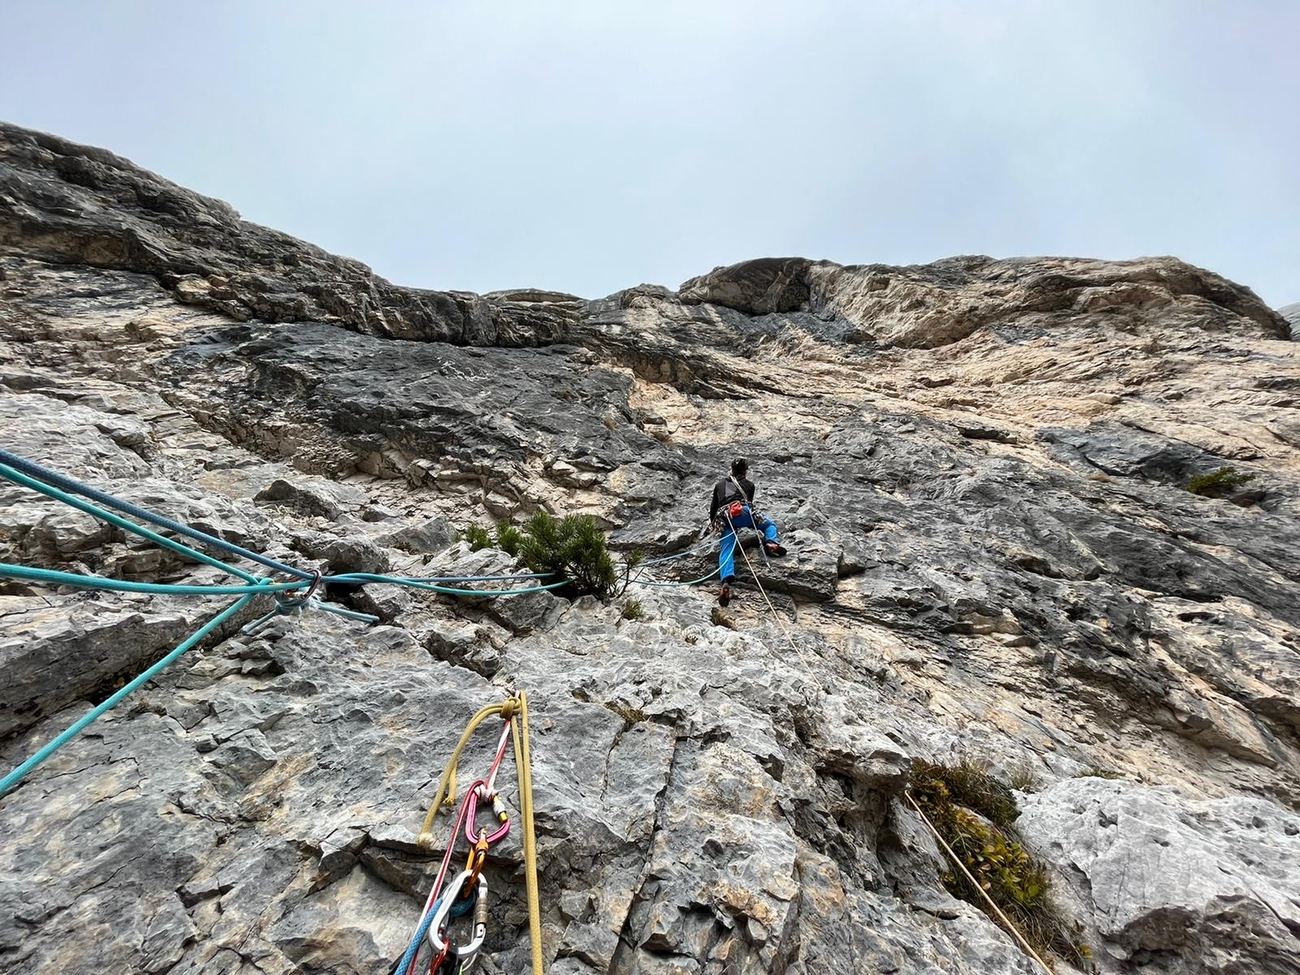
<point>739,466</point>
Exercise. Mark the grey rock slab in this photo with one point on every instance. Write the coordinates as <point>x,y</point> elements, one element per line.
<point>1211,885</point>
<point>314,496</point>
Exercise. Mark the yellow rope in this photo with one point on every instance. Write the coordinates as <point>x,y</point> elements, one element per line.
<point>524,771</point>
<point>446,794</point>
<point>514,710</point>
<point>1006,921</point>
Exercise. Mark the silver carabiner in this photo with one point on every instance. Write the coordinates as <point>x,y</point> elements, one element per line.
<point>467,953</point>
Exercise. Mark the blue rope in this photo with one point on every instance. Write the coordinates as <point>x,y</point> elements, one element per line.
<point>699,547</point>
<point>53,577</point>
<point>516,575</point>
<point>76,487</point>
<point>457,910</point>
<point>90,509</point>
<point>361,578</point>
<point>18,774</point>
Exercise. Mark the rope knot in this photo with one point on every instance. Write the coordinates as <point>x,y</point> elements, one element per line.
<point>509,708</point>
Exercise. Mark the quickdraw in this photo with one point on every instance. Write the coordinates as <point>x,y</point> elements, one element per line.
<point>450,958</point>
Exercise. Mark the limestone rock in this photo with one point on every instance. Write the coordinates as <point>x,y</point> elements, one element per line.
<point>1207,885</point>
<point>976,464</point>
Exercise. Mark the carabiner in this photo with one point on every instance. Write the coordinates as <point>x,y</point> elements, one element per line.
<point>498,809</point>
<point>464,954</point>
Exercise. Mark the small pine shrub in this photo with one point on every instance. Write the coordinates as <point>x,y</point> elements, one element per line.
<point>1220,483</point>
<point>509,539</point>
<point>477,536</point>
<point>988,846</point>
<point>573,550</point>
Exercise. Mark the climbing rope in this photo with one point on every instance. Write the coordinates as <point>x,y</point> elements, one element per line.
<point>18,774</point>
<point>53,577</point>
<point>708,543</point>
<point>674,585</point>
<point>1006,921</point>
<point>290,598</point>
<point>16,464</point>
<point>514,714</point>
<point>524,769</point>
<point>775,615</point>
<point>17,477</point>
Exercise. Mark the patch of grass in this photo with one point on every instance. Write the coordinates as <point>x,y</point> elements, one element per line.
<point>633,610</point>
<point>1023,779</point>
<point>477,536</point>
<point>974,813</point>
<point>1220,483</point>
<point>967,784</point>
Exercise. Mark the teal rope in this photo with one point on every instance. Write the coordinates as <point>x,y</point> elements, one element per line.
<point>53,577</point>
<point>18,774</point>
<point>50,491</point>
<point>57,480</point>
<point>703,546</point>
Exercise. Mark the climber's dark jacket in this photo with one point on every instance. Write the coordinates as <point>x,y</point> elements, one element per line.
<point>724,492</point>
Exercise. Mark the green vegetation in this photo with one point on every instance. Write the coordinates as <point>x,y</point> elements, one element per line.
<point>509,539</point>
<point>1220,483</point>
<point>1023,779</point>
<point>974,813</point>
<point>633,610</point>
<point>573,549</point>
<point>477,536</point>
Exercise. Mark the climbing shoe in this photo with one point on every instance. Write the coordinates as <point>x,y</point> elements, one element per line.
<point>775,549</point>
<point>724,594</point>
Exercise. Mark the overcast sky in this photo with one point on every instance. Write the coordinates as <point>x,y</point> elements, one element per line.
<point>590,146</point>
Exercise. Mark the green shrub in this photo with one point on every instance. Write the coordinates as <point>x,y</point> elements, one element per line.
<point>633,610</point>
<point>509,539</point>
<point>573,550</point>
<point>477,536</point>
<point>1220,483</point>
<point>988,846</point>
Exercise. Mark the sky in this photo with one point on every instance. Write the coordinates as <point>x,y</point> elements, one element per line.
<point>590,146</point>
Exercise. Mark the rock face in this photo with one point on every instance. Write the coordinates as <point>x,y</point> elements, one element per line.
<point>978,467</point>
<point>1292,314</point>
<point>1187,885</point>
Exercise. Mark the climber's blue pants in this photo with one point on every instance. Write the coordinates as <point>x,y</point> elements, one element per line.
<point>727,553</point>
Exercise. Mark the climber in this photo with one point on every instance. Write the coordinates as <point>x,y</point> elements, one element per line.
<point>730,508</point>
